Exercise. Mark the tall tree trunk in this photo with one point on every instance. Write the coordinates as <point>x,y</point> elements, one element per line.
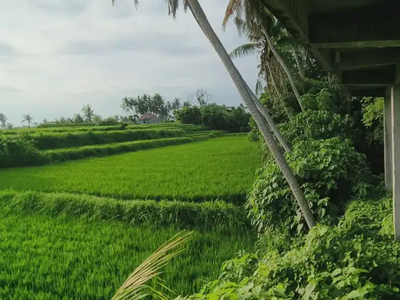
<point>278,92</point>
<point>269,119</point>
<point>201,19</point>
<point>284,66</point>
<point>298,63</point>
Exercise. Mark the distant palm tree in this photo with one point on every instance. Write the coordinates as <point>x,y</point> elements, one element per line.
<point>87,112</point>
<point>27,118</point>
<point>3,120</point>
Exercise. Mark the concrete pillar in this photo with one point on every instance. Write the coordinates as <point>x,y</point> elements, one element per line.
<point>388,138</point>
<point>395,105</point>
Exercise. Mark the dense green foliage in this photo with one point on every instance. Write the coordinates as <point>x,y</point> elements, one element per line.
<point>357,259</point>
<point>220,168</point>
<point>373,109</point>
<point>44,257</point>
<point>327,163</point>
<point>215,117</point>
<point>330,171</point>
<point>155,104</point>
<point>19,151</point>
<point>46,140</point>
<point>189,115</point>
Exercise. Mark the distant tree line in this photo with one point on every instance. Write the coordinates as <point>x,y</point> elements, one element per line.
<point>215,117</point>
<point>196,110</point>
<point>155,104</point>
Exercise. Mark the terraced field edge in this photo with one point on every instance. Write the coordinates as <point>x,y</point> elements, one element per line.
<point>183,215</point>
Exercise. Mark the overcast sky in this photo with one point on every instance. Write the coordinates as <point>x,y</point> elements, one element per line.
<point>57,55</point>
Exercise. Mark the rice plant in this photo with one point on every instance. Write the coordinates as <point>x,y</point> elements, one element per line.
<point>45,257</point>
<point>222,168</point>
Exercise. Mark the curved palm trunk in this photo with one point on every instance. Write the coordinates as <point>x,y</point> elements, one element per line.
<point>201,18</point>
<point>278,92</point>
<point>269,119</point>
<point>284,66</point>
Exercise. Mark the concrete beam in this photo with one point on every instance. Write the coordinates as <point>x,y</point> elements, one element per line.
<point>387,140</point>
<point>374,25</point>
<point>371,58</point>
<point>395,110</point>
<point>370,77</point>
<point>368,92</point>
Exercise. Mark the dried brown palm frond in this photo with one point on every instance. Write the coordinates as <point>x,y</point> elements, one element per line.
<point>135,286</point>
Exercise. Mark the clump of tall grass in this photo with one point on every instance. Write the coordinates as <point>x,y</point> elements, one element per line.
<point>186,215</point>
<point>54,140</point>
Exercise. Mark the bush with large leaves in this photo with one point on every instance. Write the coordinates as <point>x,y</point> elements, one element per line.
<point>18,151</point>
<point>357,259</point>
<point>330,172</point>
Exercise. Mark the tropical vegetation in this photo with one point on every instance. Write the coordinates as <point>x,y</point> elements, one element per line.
<point>302,194</point>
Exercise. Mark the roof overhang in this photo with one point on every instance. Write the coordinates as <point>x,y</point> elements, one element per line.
<point>356,40</point>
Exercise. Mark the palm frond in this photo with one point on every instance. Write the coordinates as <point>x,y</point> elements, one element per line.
<point>234,6</point>
<point>136,2</point>
<point>243,50</point>
<point>134,287</point>
<point>173,6</point>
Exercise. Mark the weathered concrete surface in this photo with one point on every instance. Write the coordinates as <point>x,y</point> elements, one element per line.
<point>395,110</point>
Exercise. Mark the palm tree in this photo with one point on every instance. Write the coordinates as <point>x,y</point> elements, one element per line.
<point>77,118</point>
<point>243,90</point>
<point>258,43</point>
<point>3,120</point>
<point>127,105</point>
<point>27,118</point>
<point>88,112</point>
<point>259,18</point>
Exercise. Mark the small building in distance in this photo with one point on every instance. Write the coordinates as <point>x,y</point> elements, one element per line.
<point>149,119</point>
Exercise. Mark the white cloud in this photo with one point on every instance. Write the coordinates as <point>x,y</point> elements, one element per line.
<point>57,55</point>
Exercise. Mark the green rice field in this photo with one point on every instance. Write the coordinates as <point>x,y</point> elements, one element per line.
<point>43,257</point>
<point>88,209</point>
<point>221,168</point>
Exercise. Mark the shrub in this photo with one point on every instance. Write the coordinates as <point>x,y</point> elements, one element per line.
<point>214,116</point>
<point>316,124</point>
<point>189,115</point>
<point>206,215</point>
<point>330,173</point>
<point>16,152</point>
<point>354,260</point>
